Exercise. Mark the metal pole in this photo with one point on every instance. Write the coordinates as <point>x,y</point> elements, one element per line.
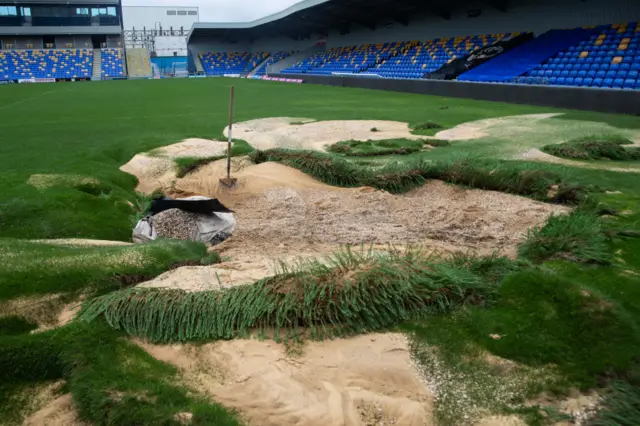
<point>230,137</point>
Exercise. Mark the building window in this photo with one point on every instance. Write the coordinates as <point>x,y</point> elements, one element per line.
<point>25,11</point>
<point>8,11</point>
<point>171,12</point>
<point>111,11</point>
<point>182,12</point>
<point>82,11</point>
<point>192,12</point>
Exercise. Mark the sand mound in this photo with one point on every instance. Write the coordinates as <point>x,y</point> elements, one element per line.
<point>278,132</point>
<point>367,380</point>
<point>156,169</point>
<point>283,214</point>
<point>251,180</point>
<point>482,128</point>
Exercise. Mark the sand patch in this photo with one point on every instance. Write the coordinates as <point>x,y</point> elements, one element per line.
<point>45,181</point>
<point>279,132</point>
<point>42,310</point>
<point>365,380</point>
<point>282,214</point>
<point>156,169</point>
<point>483,128</point>
<point>538,155</point>
<point>59,412</point>
<point>81,242</point>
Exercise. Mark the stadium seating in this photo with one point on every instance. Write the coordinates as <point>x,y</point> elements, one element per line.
<point>255,59</point>
<point>274,58</point>
<point>111,63</point>
<point>45,63</point>
<point>219,63</point>
<point>411,59</point>
<point>610,58</point>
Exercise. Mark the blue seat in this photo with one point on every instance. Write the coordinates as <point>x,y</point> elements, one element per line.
<point>601,74</point>
<point>587,81</point>
<point>629,83</point>
<point>568,81</point>
<point>618,82</point>
<point>607,82</point>
<point>582,73</point>
<point>633,74</point>
<point>560,80</point>
<point>553,80</point>
<point>573,73</point>
<point>577,81</point>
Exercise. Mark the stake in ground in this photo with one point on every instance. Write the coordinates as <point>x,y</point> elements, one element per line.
<point>571,301</point>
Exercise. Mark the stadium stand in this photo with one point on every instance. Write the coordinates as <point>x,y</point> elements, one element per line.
<point>220,63</point>
<point>46,63</point>
<point>255,59</point>
<point>410,59</point>
<point>610,58</point>
<point>112,63</point>
<point>274,58</point>
<point>524,58</point>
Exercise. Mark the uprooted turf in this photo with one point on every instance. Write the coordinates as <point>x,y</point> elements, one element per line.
<point>540,184</point>
<point>609,147</point>
<point>371,148</point>
<point>354,293</point>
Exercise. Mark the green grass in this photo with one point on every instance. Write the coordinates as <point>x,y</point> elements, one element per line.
<point>621,407</point>
<point>610,147</point>
<point>371,148</point>
<point>72,270</point>
<point>567,323</point>
<point>112,381</point>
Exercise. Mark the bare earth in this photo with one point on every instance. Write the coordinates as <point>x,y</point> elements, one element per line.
<point>284,214</point>
<point>366,380</point>
<point>278,132</point>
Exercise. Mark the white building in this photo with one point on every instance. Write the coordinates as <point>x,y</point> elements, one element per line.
<point>143,25</point>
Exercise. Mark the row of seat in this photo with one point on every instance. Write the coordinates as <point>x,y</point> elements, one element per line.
<point>112,63</point>
<point>272,59</point>
<point>46,63</point>
<point>407,59</point>
<point>609,58</point>
<point>58,63</point>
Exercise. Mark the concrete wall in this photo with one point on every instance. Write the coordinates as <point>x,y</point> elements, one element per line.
<point>527,15</point>
<point>601,100</point>
<point>152,17</point>
<point>89,30</point>
<point>21,42</point>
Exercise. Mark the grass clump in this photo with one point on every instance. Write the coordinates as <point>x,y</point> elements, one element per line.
<point>437,142</point>
<point>354,293</point>
<point>577,237</point>
<point>371,148</point>
<point>621,406</point>
<point>426,125</point>
<point>609,147</point>
<point>543,185</point>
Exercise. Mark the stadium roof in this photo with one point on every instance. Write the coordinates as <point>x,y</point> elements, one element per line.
<point>319,16</point>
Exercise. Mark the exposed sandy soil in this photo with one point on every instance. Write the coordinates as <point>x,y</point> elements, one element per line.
<point>58,412</point>
<point>482,128</point>
<point>81,242</point>
<point>156,169</point>
<point>278,132</point>
<point>283,214</point>
<point>538,155</point>
<point>44,181</point>
<point>366,380</point>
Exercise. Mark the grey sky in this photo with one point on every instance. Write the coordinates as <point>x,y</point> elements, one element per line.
<point>223,10</point>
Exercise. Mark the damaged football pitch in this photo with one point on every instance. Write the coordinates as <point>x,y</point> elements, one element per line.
<point>560,315</point>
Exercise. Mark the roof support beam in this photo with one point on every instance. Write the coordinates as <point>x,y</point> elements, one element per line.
<point>501,5</point>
